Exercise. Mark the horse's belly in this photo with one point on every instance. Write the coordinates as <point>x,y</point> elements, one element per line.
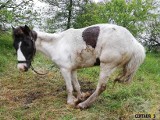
<point>86,58</point>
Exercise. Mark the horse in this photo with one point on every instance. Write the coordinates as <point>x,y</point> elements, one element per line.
<point>108,46</point>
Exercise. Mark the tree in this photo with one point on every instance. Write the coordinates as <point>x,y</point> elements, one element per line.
<point>16,12</point>
<point>62,13</point>
<point>131,14</point>
<point>152,37</point>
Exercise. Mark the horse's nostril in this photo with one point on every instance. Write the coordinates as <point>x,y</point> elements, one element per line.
<point>25,68</point>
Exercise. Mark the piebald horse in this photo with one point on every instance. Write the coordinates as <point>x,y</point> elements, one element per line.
<point>106,45</point>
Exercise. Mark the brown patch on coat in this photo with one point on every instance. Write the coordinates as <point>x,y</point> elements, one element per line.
<point>90,35</point>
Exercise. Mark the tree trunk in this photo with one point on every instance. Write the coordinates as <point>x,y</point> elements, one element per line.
<point>69,14</point>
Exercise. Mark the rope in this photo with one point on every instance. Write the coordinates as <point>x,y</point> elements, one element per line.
<point>32,68</point>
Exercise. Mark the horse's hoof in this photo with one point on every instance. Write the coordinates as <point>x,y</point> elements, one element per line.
<point>81,106</point>
<point>82,97</point>
<point>71,104</point>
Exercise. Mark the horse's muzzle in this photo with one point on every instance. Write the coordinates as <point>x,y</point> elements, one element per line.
<point>23,67</point>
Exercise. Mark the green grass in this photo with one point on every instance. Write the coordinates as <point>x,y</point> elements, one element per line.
<point>27,96</point>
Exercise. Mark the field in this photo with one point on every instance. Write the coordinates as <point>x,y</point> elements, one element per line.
<point>28,96</point>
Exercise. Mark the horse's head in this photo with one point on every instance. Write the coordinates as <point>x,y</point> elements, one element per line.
<point>24,43</point>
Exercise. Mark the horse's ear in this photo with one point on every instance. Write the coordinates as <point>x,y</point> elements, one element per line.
<point>26,29</point>
<point>13,28</point>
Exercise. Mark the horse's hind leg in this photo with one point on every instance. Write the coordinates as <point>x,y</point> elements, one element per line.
<point>106,70</point>
<point>131,66</point>
<point>126,75</point>
<point>121,76</point>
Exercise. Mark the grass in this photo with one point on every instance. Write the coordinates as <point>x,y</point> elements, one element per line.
<point>26,96</point>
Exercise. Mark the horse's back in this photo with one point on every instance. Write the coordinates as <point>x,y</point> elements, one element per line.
<point>107,42</point>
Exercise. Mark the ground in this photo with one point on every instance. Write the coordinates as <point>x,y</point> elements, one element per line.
<point>27,95</point>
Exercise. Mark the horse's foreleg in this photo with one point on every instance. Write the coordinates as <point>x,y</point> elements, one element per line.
<point>76,84</point>
<point>106,70</point>
<point>68,77</point>
<point>80,96</point>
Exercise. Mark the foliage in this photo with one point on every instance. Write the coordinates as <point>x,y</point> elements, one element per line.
<point>16,12</point>
<point>131,15</point>
<point>152,37</point>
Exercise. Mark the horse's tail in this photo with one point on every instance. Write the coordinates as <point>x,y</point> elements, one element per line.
<point>133,64</point>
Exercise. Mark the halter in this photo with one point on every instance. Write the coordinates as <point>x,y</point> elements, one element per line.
<point>26,61</point>
<point>30,61</point>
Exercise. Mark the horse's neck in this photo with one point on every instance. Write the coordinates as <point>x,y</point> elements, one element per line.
<point>47,37</point>
<point>45,42</point>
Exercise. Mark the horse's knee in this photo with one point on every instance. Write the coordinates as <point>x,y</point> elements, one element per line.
<point>102,88</point>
